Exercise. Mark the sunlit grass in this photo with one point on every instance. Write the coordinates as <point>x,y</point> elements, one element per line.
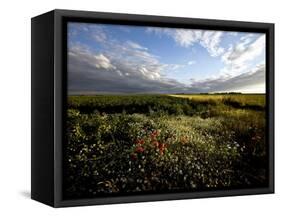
<point>244,99</point>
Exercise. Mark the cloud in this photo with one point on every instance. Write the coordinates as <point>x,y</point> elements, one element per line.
<point>90,72</point>
<point>134,60</point>
<point>173,67</point>
<point>208,39</point>
<point>242,82</point>
<point>191,62</point>
<point>99,36</point>
<point>211,41</point>
<point>98,61</point>
<point>238,57</point>
<point>135,45</point>
<point>233,33</point>
<point>103,62</point>
<point>95,32</point>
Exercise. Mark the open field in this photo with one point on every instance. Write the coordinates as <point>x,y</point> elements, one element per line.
<point>244,99</point>
<point>162,143</point>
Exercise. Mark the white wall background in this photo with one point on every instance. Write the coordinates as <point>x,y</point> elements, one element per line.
<point>15,106</point>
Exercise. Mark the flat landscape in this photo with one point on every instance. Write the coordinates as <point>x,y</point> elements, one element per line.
<point>164,143</point>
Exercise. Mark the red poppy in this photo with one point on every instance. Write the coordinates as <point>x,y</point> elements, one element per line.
<point>140,141</point>
<point>162,148</point>
<point>155,133</point>
<point>155,143</point>
<point>139,149</point>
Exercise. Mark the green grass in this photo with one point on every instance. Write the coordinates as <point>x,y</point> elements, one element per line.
<point>154,143</point>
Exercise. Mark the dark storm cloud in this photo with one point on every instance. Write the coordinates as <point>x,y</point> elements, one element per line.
<point>251,78</point>
<point>92,72</point>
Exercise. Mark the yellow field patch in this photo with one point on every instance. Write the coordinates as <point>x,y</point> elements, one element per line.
<point>246,99</point>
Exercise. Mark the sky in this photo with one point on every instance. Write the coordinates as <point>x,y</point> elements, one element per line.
<point>113,59</point>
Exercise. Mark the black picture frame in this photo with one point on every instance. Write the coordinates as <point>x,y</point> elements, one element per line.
<point>48,69</point>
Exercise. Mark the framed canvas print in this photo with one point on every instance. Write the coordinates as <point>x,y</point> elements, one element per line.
<point>131,108</point>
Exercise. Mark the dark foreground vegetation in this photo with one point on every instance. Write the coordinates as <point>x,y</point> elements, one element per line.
<point>160,143</point>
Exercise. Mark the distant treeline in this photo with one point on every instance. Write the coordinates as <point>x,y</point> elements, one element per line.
<point>233,93</point>
<point>218,93</point>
